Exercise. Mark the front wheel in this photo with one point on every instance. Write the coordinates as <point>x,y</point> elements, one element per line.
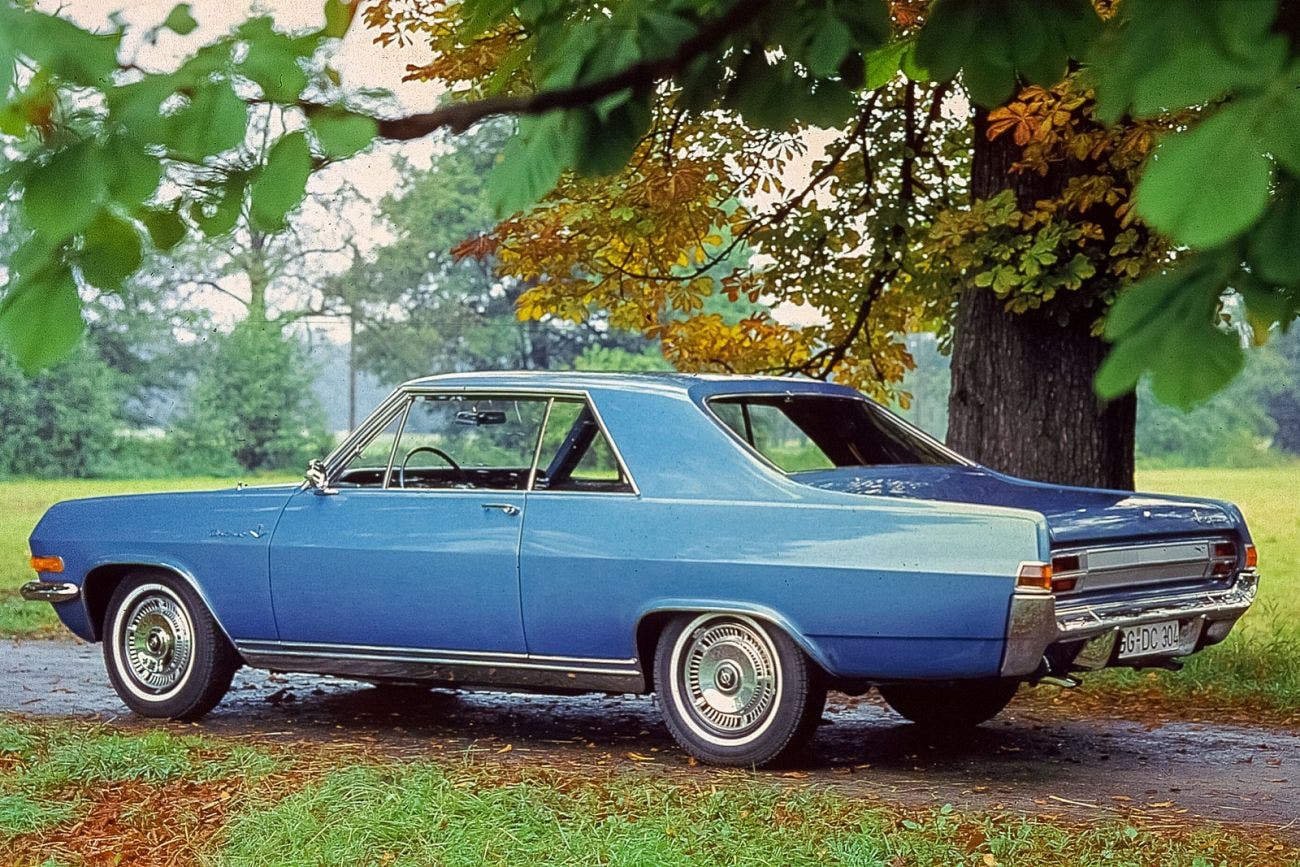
<point>735,690</point>
<point>950,705</point>
<point>166,656</point>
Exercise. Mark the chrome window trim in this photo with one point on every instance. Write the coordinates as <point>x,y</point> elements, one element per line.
<point>537,449</point>
<point>397,438</point>
<point>872,406</point>
<point>371,427</point>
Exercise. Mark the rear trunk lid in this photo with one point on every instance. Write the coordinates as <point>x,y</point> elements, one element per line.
<point>1074,515</point>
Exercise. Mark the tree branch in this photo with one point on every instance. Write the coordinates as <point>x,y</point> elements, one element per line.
<point>639,76</point>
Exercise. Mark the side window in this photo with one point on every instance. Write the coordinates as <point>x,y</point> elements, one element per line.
<point>773,435</point>
<point>460,441</point>
<point>575,454</point>
<point>368,466</point>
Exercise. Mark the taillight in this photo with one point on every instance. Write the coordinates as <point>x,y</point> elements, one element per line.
<point>1252,557</point>
<point>1225,559</point>
<point>1065,565</point>
<point>1035,575</point>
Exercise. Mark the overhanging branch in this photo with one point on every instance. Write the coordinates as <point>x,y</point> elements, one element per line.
<point>639,76</point>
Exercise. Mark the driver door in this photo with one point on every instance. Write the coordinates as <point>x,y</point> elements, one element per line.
<point>419,547</point>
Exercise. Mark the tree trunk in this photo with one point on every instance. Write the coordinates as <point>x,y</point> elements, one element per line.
<point>1022,399</point>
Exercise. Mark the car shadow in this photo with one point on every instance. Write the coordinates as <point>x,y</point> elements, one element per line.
<point>852,734</point>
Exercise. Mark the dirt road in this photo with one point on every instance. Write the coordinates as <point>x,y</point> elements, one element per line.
<point>1029,761</point>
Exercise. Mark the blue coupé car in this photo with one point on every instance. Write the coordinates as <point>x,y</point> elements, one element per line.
<point>736,545</point>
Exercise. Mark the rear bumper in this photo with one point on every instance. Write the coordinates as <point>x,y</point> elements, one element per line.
<point>49,591</point>
<point>1082,635</point>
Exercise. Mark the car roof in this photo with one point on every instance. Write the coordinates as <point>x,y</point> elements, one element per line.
<point>695,384</point>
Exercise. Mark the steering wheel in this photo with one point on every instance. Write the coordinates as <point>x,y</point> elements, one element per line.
<point>401,472</point>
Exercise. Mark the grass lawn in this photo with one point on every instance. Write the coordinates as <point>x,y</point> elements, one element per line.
<point>78,793</point>
<point>1254,667</point>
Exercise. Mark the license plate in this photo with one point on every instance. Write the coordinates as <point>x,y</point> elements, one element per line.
<point>1150,639</point>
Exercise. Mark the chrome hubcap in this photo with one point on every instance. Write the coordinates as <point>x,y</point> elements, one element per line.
<point>729,670</point>
<point>157,642</point>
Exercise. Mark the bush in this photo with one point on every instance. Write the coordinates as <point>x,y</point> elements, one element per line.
<point>62,422</point>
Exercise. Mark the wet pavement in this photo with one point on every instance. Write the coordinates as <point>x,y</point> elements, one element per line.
<point>1031,761</point>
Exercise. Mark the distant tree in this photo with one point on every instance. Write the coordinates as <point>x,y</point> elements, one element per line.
<point>1282,398</point>
<point>252,407</point>
<point>430,300</point>
<point>617,359</point>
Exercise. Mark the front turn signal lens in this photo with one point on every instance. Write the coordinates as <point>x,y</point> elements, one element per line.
<point>1036,575</point>
<point>1252,557</point>
<point>47,564</point>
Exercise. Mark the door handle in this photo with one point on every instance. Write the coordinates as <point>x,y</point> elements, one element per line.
<point>508,508</point>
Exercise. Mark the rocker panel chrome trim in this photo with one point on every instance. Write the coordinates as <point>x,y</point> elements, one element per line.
<point>468,668</point>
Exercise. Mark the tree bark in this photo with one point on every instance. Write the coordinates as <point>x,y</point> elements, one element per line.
<point>1022,400</point>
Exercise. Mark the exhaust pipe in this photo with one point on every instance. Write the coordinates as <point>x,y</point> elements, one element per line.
<point>1045,674</point>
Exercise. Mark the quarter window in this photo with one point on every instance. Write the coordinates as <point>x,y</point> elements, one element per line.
<point>575,454</point>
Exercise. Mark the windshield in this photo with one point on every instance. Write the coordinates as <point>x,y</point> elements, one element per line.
<point>799,433</point>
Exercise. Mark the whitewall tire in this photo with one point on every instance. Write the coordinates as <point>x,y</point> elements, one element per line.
<point>734,689</point>
<point>165,654</point>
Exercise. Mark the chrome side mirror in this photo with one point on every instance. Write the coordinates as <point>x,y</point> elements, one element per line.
<point>317,479</point>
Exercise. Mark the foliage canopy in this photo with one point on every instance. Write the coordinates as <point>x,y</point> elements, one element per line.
<point>106,156</point>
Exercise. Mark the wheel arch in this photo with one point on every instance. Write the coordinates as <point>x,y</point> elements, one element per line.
<point>651,622</point>
<point>103,579</point>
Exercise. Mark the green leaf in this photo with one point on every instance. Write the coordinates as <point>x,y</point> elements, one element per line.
<point>884,63</point>
<point>272,62</point>
<point>830,42</point>
<point>59,46</point>
<point>166,228</point>
<point>213,122</point>
<point>180,20</point>
<point>531,162</point>
<point>1196,363</point>
<point>135,173</point>
<point>608,143</point>
<point>342,133</point>
<point>40,320</point>
<point>479,15</point>
<point>111,252</point>
<point>338,18</point>
<point>138,107</point>
<point>1163,55</point>
<point>219,218</point>
<point>1271,247</point>
<point>282,183</point>
<point>828,104</point>
<point>995,42</point>
<point>62,196</point>
<point>1207,184</point>
<point>1167,324</point>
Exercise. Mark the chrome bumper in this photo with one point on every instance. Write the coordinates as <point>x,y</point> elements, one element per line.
<point>49,591</point>
<point>1036,623</point>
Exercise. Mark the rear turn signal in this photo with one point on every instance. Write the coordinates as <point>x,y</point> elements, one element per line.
<point>1252,557</point>
<point>1036,575</point>
<point>47,564</point>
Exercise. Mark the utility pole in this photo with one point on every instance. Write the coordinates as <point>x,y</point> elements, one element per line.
<point>352,368</point>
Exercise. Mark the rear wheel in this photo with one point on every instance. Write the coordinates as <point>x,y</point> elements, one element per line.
<point>166,656</point>
<point>734,690</point>
<point>950,705</point>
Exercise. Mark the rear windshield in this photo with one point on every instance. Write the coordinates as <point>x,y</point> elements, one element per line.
<point>800,433</point>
